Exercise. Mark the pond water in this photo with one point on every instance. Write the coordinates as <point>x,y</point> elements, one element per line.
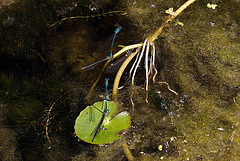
<point>43,88</point>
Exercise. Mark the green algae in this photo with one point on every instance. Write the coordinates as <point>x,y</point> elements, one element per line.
<point>208,131</point>
<point>8,147</point>
<point>200,60</point>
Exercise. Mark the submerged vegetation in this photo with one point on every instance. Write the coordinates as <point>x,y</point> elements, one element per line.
<point>43,88</point>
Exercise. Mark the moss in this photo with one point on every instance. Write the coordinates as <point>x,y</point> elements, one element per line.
<point>8,148</point>
<point>24,111</point>
<point>208,130</point>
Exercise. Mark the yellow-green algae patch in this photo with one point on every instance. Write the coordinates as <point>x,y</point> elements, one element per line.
<point>201,59</point>
<point>206,65</point>
<point>208,130</point>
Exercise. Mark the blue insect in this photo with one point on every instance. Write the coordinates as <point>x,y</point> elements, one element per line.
<point>105,112</point>
<point>115,33</point>
<point>93,65</point>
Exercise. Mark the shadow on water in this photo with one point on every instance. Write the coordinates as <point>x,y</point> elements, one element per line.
<point>43,88</point>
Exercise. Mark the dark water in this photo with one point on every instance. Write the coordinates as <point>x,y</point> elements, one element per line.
<point>43,88</point>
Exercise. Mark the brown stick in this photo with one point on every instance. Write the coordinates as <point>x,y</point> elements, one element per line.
<point>173,15</point>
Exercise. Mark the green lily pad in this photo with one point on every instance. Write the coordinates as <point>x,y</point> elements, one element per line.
<point>113,124</point>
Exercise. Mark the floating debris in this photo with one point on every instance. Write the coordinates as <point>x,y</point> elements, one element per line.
<point>160,147</point>
<point>213,6</point>
<point>169,11</point>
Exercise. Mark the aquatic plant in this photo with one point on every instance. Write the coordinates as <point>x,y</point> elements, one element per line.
<point>20,98</point>
<point>101,123</point>
<point>146,48</point>
<point>12,88</point>
<point>110,129</point>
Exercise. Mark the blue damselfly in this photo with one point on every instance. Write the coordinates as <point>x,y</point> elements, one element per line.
<point>92,65</point>
<point>105,112</point>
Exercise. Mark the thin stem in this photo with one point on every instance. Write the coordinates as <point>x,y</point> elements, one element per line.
<point>95,83</point>
<point>146,65</point>
<point>162,82</point>
<point>140,58</point>
<point>130,72</point>
<point>106,64</point>
<point>127,151</point>
<point>153,54</point>
<point>183,7</point>
<point>146,68</point>
<point>120,72</point>
<point>134,64</point>
<point>173,15</point>
<point>86,17</point>
<point>168,87</point>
